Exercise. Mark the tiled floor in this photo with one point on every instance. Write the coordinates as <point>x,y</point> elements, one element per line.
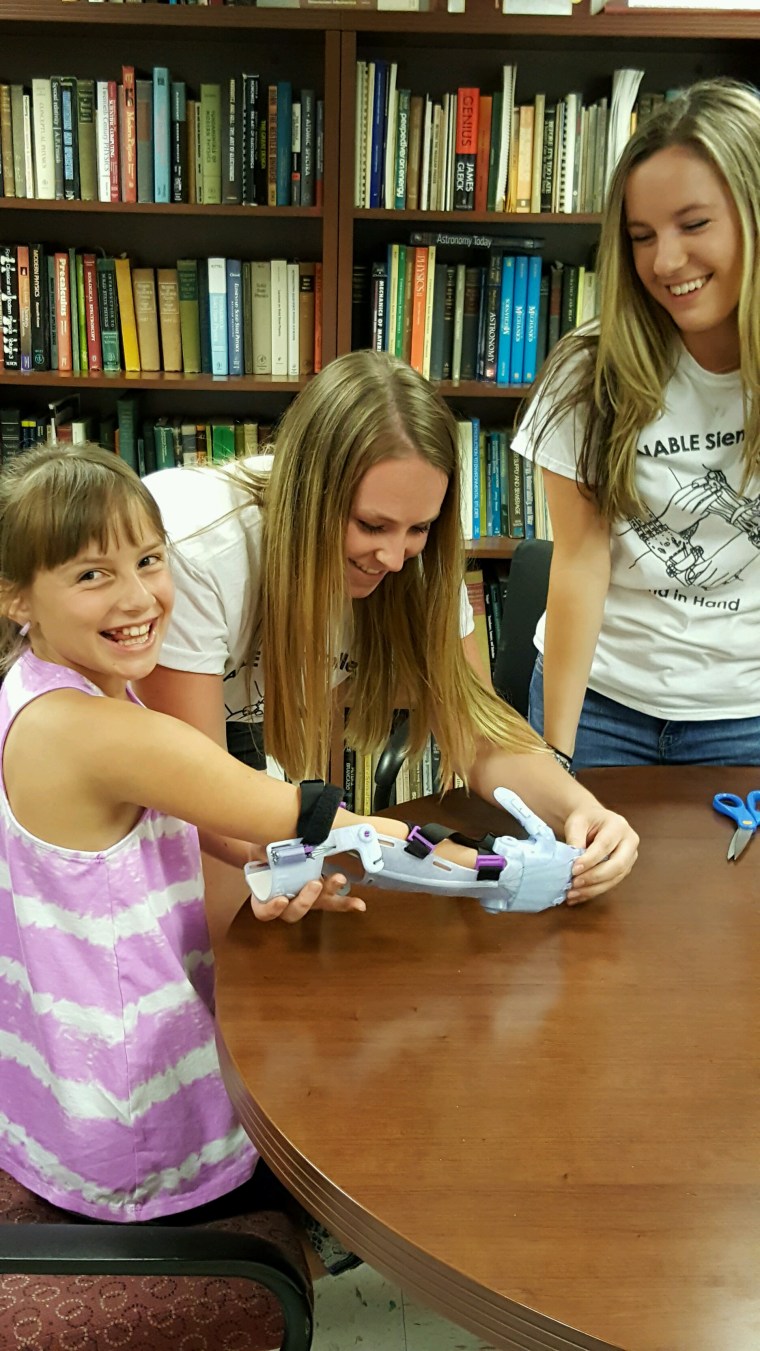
<point>360,1309</point>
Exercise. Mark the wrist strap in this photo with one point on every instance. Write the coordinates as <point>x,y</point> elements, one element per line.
<point>319,803</point>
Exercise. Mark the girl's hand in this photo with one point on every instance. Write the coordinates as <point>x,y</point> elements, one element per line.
<point>611,849</point>
<point>322,894</point>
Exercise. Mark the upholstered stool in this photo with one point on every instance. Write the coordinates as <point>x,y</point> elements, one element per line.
<point>160,1287</point>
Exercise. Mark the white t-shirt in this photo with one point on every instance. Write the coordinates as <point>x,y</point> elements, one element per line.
<point>215,556</point>
<point>680,637</point>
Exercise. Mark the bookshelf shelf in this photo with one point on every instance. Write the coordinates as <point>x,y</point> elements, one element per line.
<point>463,219</point>
<point>491,547</point>
<point>139,380</point>
<point>175,209</point>
<point>222,19</point>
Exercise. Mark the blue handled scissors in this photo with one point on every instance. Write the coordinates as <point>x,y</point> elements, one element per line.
<point>745,814</point>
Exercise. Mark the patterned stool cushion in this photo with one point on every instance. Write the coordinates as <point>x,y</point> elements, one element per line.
<point>128,1313</point>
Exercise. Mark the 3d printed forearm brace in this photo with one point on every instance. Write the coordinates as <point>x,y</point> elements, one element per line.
<point>527,875</point>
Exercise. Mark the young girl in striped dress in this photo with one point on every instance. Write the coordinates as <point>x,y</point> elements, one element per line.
<point>113,1105</point>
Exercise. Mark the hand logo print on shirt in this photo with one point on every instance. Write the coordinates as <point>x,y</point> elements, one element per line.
<point>678,549</point>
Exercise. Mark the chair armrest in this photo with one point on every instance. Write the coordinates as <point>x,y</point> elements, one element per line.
<point>389,762</point>
<point>145,1250</point>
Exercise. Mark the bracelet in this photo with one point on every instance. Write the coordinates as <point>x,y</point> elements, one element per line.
<point>564,760</point>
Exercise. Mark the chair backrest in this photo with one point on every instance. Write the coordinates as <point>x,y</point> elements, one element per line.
<point>524,604</point>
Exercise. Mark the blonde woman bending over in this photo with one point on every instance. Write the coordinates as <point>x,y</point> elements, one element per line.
<point>648,428</point>
<point>348,560</point>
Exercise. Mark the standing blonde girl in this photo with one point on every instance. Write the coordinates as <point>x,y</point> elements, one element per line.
<point>647,426</point>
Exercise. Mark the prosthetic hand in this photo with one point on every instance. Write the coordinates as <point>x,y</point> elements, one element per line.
<point>527,875</point>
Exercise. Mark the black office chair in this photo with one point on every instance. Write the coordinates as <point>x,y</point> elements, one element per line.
<point>524,604</point>
<point>245,1278</point>
<point>516,656</point>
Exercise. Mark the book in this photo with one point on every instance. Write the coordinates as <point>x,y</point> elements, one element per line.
<point>162,155</point>
<point>519,304</point>
<point>144,139</point>
<point>261,314</point>
<point>532,310</point>
<point>88,167</point>
<point>108,313</point>
<point>466,148</point>
<point>62,312</point>
<point>283,144</point>
<point>146,317</point>
<point>504,347</point>
<point>39,303</point>
<point>234,316</point>
<point>279,292</point>
<point>168,312</point>
<point>44,165</point>
<point>24,307</point>
<point>306,278</point>
<point>127,318</point>
<point>128,135</point>
<point>211,145</point>
<point>308,146</point>
<point>217,302</point>
<point>92,314</point>
<point>189,315</point>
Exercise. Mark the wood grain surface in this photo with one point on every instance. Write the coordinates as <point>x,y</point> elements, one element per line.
<point>547,1127</point>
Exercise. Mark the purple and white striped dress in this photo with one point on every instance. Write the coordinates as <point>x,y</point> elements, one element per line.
<point>112,1104</point>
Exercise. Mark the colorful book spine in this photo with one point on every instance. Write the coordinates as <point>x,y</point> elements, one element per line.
<point>217,302</point>
<point>162,158</point>
<point>505,319</point>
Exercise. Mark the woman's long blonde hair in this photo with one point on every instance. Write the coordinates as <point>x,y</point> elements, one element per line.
<point>622,370</point>
<point>405,638</point>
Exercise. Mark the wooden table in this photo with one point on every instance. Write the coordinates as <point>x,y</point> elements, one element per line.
<point>546,1127</point>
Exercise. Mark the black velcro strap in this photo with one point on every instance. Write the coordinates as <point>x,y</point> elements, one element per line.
<point>319,803</point>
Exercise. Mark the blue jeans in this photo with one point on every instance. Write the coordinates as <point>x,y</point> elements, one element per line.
<point>610,733</point>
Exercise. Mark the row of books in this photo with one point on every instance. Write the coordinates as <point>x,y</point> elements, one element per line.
<point>453,321</point>
<point>146,140</point>
<point>80,313</point>
<point>502,495</point>
<point>146,444</point>
<point>485,152</point>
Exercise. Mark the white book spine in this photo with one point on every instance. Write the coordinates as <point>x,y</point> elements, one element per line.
<point>435,159</point>
<point>293,333</point>
<point>279,316</point>
<point>451,186</point>
<point>368,111</point>
<point>217,301</point>
<point>102,142</point>
<point>447,153</point>
<point>360,146</point>
<point>425,167</point>
<point>507,106</point>
<point>42,112</point>
<point>28,155</point>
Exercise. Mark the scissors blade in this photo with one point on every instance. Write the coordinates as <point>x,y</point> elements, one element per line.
<point>739,841</point>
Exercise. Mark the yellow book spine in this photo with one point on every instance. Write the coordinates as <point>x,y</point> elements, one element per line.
<point>127,315</point>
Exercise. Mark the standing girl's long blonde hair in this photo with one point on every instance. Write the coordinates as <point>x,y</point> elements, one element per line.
<point>620,372</point>
<point>405,637</point>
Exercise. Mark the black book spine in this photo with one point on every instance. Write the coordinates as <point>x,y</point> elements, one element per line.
<point>449,298</point>
<point>70,138</point>
<point>308,131</point>
<point>9,303</point>
<point>179,141</point>
<point>493,295</point>
<point>39,308</point>
<point>547,157</point>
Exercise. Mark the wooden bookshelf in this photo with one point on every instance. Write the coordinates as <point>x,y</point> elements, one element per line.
<point>435,51</point>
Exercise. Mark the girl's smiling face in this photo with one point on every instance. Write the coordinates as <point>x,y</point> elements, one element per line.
<point>102,613</point>
<point>394,506</point>
<point>687,250</point>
